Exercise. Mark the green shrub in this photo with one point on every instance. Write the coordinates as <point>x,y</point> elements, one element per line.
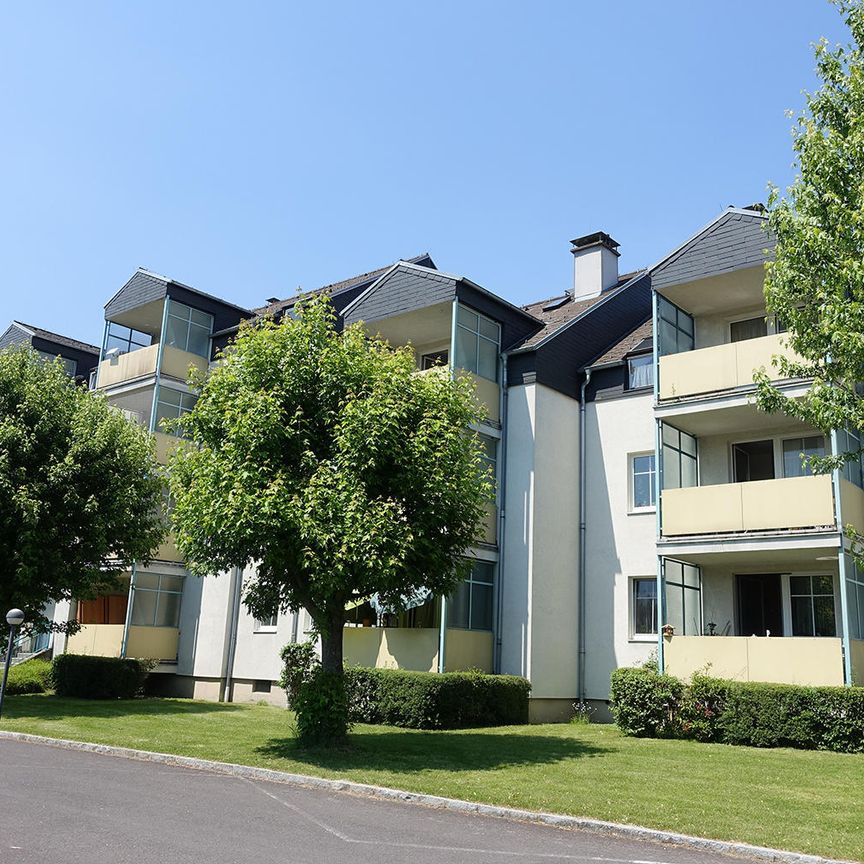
<point>299,662</point>
<point>99,677</point>
<point>321,706</point>
<point>31,676</point>
<point>431,700</point>
<point>646,704</point>
<point>734,712</point>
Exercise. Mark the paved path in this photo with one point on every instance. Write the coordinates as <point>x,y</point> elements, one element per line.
<point>69,807</point>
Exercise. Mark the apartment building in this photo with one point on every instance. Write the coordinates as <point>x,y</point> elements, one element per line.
<point>645,506</point>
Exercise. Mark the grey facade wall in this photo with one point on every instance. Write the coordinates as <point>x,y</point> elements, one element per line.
<point>140,289</point>
<point>14,335</point>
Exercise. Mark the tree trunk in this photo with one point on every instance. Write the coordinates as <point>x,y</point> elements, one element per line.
<point>331,642</point>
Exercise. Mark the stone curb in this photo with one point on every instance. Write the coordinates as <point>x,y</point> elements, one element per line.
<point>595,826</point>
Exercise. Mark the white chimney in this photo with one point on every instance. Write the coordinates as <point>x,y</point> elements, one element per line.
<point>595,265</point>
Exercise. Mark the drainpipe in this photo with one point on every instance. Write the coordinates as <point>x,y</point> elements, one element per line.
<point>501,463</point>
<point>295,626</point>
<point>843,564</point>
<point>228,669</point>
<point>583,509</point>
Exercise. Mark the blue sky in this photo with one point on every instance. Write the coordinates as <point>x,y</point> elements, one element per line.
<point>248,149</point>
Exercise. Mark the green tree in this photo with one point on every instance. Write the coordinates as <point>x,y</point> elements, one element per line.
<point>80,493</point>
<point>328,462</point>
<point>815,282</point>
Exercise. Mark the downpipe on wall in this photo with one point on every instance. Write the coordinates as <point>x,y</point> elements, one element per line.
<point>583,509</point>
<point>502,491</point>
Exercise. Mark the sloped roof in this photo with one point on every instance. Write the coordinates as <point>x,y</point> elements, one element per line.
<point>635,339</point>
<point>424,259</point>
<point>68,341</point>
<point>559,314</point>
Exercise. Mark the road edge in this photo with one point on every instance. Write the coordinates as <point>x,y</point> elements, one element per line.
<point>580,823</point>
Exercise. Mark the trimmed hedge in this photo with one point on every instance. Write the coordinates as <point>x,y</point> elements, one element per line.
<point>31,676</point>
<point>99,677</point>
<point>733,712</point>
<point>431,700</point>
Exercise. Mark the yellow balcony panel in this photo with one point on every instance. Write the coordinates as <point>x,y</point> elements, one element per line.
<point>720,367</point>
<point>852,504</point>
<point>468,649</point>
<point>156,643</point>
<point>128,367</point>
<point>791,502</point>
<point>176,363</point>
<point>168,551</point>
<point>165,446</point>
<point>857,653</point>
<point>803,660</point>
<point>488,396</point>
<point>97,640</point>
<point>702,509</point>
<point>490,524</point>
<point>762,505</point>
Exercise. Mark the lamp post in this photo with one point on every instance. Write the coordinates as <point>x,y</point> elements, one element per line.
<point>14,618</point>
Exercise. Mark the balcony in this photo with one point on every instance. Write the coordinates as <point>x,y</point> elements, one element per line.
<point>802,660</point>
<point>416,648</point>
<point>720,367</point>
<point>760,505</point>
<point>106,640</point>
<point>142,363</point>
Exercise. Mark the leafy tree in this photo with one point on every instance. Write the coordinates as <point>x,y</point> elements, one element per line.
<point>326,460</point>
<point>80,493</point>
<point>815,283</point>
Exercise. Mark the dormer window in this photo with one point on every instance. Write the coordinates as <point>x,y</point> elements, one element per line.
<point>640,372</point>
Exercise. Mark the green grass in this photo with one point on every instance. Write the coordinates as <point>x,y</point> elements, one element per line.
<point>791,799</point>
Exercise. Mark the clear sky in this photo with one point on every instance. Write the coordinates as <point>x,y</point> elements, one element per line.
<point>250,148</point>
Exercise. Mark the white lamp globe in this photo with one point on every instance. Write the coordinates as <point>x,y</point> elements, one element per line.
<point>14,617</point>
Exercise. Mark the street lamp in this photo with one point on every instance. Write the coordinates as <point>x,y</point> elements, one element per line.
<point>14,618</point>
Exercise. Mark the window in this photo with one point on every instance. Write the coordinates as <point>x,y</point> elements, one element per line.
<point>753,460</point>
<point>849,441</point>
<point>188,329</point>
<point>262,686</point>
<point>489,454</point>
<point>70,366</point>
<point>172,404</point>
<point>675,328</point>
<point>477,341</point>
<point>266,625</point>
<point>683,597</point>
<point>641,372</point>
<point>435,358</point>
<point>125,339</point>
<point>643,607</point>
<point>642,474</point>
<point>679,459</point>
<point>855,594</point>
<point>470,607</point>
<point>812,605</point>
<point>156,599</point>
<point>795,448</point>
<point>751,328</point>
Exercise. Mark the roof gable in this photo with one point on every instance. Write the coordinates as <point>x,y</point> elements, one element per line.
<point>734,240</point>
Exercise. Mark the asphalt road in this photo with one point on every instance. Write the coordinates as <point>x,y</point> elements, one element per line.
<point>69,807</point>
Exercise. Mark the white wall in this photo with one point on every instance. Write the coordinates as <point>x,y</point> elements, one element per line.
<point>620,544</point>
<point>540,601</point>
<point>204,624</point>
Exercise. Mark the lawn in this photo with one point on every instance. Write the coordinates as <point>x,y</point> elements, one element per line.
<point>791,799</point>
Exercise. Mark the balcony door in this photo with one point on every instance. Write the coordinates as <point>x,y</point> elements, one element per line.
<point>753,460</point>
<point>760,604</point>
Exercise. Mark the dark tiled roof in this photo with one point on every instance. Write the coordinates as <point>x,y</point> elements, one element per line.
<point>632,341</point>
<point>562,313</point>
<point>59,339</point>
<point>337,287</point>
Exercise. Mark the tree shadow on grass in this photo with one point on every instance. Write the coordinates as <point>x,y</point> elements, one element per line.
<point>46,707</point>
<point>414,750</point>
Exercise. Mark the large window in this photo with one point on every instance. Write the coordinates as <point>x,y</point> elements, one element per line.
<point>156,599</point>
<point>172,404</point>
<point>855,595</point>
<point>812,602</point>
<point>640,372</point>
<point>750,328</point>
<point>675,328</point>
<point>489,455</point>
<point>470,607</point>
<point>125,339</point>
<point>188,329</point>
<point>796,448</point>
<point>643,607</point>
<point>71,366</point>
<point>849,441</point>
<point>679,459</point>
<point>477,344</point>
<point>642,476</point>
<point>683,597</point>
